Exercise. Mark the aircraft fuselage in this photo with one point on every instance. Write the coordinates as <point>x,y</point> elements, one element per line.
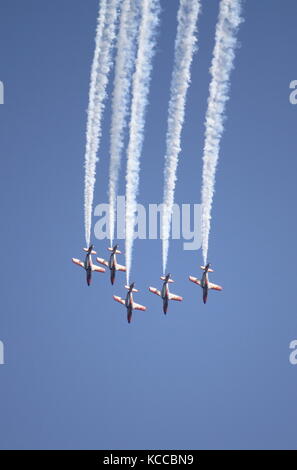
<point>129,305</point>
<point>112,266</point>
<point>165,296</point>
<point>204,285</point>
<point>88,268</point>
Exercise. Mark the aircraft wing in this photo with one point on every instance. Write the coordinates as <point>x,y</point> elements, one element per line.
<point>98,269</point>
<point>102,261</point>
<point>195,280</point>
<point>214,286</point>
<point>118,299</point>
<point>78,262</point>
<point>175,297</point>
<point>155,291</point>
<point>139,307</point>
<point>121,268</point>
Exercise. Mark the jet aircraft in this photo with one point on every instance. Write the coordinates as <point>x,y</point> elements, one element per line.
<point>129,302</point>
<point>112,264</point>
<point>88,265</point>
<point>204,282</point>
<point>164,293</point>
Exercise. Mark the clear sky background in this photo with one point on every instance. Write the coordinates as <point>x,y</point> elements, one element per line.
<point>204,376</point>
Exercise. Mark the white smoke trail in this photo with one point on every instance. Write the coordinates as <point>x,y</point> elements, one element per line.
<point>222,63</point>
<point>125,59</point>
<point>141,80</point>
<point>181,76</point>
<point>105,35</point>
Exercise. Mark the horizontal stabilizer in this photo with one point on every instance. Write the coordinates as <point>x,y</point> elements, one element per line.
<point>93,252</point>
<point>163,279</point>
<point>133,290</point>
<point>118,252</point>
<point>209,269</point>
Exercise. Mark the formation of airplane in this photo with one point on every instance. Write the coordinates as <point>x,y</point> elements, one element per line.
<point>88,264</point>
<point>128,302</point>
<point>164,293</point>
<point>112,264</point>
<point>204,282</point>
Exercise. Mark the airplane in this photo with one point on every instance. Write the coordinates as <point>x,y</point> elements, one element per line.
<point>88,264</point>
<point>164,293</point>
<point>204,282</point>
<point>112,263</point>
<point>129,302</point>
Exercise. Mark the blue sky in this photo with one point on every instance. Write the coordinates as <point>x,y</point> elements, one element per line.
<point>204,376</point>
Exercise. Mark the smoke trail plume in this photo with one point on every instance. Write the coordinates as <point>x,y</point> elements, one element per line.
<point>222,63</point>
<point>181,76</point>
<point>105,35</point>
<point>126,51</point>
<point>141,80</point>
